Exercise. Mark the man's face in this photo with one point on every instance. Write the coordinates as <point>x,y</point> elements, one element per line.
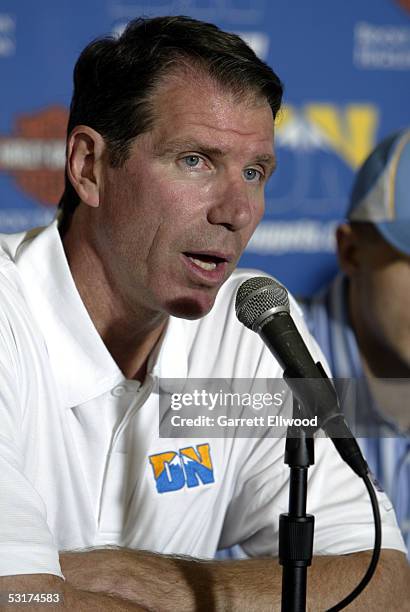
<point>382,284</point>
<point>174,220</point>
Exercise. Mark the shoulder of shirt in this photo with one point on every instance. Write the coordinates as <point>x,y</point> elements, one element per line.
<point>11,243</point>
<point>10,279</point>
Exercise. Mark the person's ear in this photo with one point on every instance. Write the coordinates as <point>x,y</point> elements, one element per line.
<point>85,150</point>
<point>348,248</point>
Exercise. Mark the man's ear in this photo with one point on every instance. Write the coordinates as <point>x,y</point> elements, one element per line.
<point>85,149</point>
<point>348,248</point>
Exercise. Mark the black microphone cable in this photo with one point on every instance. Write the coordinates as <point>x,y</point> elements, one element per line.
<point>376,550</point>
<point>262,302</point>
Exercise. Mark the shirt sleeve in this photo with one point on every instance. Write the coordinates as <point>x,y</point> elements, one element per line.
<point>26,543</point>
<point>337,498</point>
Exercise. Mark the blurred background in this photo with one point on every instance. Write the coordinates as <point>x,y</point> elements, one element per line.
<point>346,70</point>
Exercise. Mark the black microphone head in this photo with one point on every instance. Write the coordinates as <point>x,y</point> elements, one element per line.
<point>259,297</point>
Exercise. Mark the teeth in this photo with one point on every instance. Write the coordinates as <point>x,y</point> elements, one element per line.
<point>205,265</point>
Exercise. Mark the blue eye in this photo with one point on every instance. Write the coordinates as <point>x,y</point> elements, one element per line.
<point>251,174</point>
<point>192,160</point>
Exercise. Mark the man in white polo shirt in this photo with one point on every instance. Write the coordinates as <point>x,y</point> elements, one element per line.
<point>170,144</point>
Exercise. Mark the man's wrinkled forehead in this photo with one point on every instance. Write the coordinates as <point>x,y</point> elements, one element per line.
<point>189,75</point>
<point>201,115</point>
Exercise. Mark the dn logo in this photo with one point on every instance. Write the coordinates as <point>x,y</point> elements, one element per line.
<point>189,466</point>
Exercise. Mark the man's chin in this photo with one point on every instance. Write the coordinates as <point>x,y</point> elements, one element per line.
<point>190,307</point>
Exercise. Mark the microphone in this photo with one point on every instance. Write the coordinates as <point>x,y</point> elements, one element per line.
<point>262,305</point>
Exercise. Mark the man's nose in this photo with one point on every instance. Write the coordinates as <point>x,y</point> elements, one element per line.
<point>234,206</point>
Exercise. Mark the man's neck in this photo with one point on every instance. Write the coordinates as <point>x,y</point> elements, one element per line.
<point>388,378</point>
<point>381,361</point>
<point>391,396</point>
<point>130,334</point>
<point>131,349</point>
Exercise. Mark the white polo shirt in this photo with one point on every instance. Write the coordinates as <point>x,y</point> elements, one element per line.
<point>81,461</point>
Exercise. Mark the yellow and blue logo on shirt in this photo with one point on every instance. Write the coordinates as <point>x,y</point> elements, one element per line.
<point>187,467</point>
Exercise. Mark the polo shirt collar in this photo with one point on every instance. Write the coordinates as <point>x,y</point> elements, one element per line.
<point>81,364</point>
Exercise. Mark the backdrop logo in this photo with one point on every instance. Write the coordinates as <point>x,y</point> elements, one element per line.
<point>236,12</point>
<point>188,467</point>
<point>7,35</point>
<point>35,154</point>
<point>405,4</point>
<point>350,132</point>
<point>381,46</point>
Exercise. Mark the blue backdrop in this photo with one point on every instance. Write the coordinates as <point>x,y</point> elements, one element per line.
<point>345,66</point>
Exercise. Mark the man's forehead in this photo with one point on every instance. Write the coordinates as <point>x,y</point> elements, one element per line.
<point>181,94</point>
<point>215,121</point>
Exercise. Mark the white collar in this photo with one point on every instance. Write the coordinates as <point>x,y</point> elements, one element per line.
<point>81,363</point>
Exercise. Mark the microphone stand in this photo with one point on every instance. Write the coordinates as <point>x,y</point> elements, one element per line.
<point>296,527</point>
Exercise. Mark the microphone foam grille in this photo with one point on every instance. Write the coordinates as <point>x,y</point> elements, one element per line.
<point>256,296</point>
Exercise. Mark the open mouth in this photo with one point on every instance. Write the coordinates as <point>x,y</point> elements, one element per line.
<point>204,261</point>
